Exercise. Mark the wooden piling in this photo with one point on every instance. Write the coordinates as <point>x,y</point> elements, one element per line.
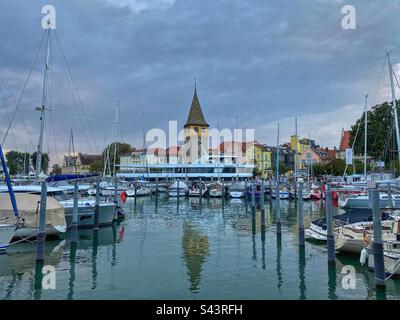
<point>262,205</point>
<point>277,208</point>
<point>299,198</point>
<point>97,207</point>
<point>74,226</point>
<point>379,265</point>
<point>42,224</point>
<point>253,202</point>
<point>329,220</point>
<point>116,199</point>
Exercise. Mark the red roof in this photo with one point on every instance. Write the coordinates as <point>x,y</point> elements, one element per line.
<point>173,151</point>
<point>345,140</point>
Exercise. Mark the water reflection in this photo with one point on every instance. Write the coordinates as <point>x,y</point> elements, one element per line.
<point>26,275</point>
<point>72,259</point>
<point>195,251</point>
<point>278,261</point>
<point>302,267</point>
<point>332,282</point>
<point>263,246</point>
<point>183,239</point>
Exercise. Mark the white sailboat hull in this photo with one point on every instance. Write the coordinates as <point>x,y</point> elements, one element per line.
<point>6,234</point>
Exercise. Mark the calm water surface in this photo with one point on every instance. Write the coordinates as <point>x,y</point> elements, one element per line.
<point>191,251</point>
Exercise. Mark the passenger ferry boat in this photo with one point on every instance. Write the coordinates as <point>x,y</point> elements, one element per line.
<point>214,168</point>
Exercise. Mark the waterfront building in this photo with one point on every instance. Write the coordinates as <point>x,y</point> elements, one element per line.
<point>196,133</point>
<point>344,144</point>
<point>174,154</point>
<point>79,163</point>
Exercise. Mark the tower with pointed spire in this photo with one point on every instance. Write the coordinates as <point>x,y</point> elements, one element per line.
<point>196,132</point>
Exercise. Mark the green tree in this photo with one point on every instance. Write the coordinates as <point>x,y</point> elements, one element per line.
<point>337,167</point>
<point>319,169</point>
<point>45,161</point>
<point>96,166</point>
<point>122,148</point>
<point>381,137</point>
<point>56,169</point>
<point>16,161</point>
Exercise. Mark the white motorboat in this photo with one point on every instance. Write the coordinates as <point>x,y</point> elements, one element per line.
<point>178,188</point>
<point>283,194</point>
<point>237,190</point>
<point>362,200</point>
<point>139,192</point>
<point>86,206</point>
<point>28,208</point>
<point>197,188</point>
<point>215,190</point>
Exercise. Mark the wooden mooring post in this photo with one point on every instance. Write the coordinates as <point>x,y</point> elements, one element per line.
<point>41,236</point>
<point>97,207</point>
<point>330,232</point>
<point>299,198</point>
<point>116,199</point>
<point>262,204</point>
<point>277,208</point>
<point>74,226</point>
<point>379,264</point>
<point>253,202</point>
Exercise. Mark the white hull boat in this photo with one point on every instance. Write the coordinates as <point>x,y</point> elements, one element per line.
<point>140,192</point>
<point>6,234</point>
<point>362,201</point>
<point>237,190</point>
<point>237,194</point>
<point>391,258</point>
<point>178,189</point>
<point>283,194</point>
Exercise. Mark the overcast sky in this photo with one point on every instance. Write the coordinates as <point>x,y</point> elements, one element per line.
<point>262,61</point>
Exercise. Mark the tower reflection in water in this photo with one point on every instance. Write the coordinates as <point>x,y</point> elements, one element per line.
<point>195,251</point>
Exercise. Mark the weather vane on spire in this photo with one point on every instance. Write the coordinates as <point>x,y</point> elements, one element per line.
<point>195,84</point>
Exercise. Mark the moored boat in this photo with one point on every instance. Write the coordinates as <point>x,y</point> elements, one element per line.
<point>237,190</point>
<point>178,188</point>
<point>6,234</point>
<point>198,188</point>
<point>215,190</point>
<point>283,194</point>
<point>28,208</point>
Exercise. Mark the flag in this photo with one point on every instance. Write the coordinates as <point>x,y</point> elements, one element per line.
<point>123,196</point>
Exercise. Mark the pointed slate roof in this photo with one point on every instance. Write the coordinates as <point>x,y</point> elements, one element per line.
<point>196,117</point>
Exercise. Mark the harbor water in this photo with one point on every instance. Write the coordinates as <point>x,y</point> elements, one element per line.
<point>190,249</point>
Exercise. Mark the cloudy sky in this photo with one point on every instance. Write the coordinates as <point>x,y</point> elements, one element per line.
<point>262,61</point>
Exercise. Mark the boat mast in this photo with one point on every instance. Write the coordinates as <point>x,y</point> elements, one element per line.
<point>394,105</point>
<point>365,136</point>
<point>310,158</point>
<point>277,159</point>
<point>42,108</point>
<point>295,150</point>
<point>115,136</point>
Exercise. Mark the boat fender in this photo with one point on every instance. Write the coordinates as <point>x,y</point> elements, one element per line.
<point>364,256</point>
<point>87,204</point>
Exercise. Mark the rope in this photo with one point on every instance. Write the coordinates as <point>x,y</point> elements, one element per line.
<point>68,69</point>
<point>24,87</point>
